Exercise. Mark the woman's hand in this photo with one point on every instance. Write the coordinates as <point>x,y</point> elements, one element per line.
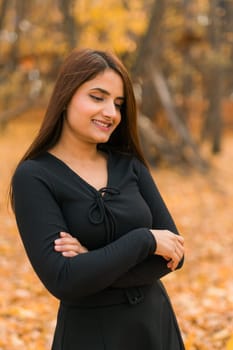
<point>68,245</point>
<point>170,246</point>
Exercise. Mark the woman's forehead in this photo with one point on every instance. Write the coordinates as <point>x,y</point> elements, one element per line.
<point>108,80</point>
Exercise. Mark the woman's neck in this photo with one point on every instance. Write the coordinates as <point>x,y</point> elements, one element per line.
<point>74,148</point>
<point>77,151</point>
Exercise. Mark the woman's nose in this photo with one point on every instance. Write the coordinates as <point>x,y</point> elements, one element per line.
<point>110,109</point>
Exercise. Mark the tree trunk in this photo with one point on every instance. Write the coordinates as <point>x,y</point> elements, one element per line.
<point>149,50</point>
<point>176,122</point>
<point>212,127</point>
<point>3,10</point>
<point>228,29</point>
<point>69,24</point>
<point>149,44</point>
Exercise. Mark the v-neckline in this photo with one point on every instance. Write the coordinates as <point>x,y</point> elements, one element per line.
<point>75,174</point>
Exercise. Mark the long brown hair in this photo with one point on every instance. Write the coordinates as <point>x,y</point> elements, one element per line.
<point>79,67</point>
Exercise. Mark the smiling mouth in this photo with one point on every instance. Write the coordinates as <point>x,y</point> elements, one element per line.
<point>102,124</point>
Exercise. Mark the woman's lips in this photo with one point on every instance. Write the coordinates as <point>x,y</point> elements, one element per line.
<point>102,124</point>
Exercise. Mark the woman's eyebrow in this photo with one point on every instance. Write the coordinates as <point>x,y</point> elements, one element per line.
<point>107,92</point>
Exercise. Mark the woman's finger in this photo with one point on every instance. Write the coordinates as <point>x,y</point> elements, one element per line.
<point>179,250</point>
<point>180,239</point>
<point>68,245</point>
<point>65,234</point>
<point>177,256</point>
<point>69,254</point>
<point>167,258</point>
<point>67,240</point>
<point>65,237</point>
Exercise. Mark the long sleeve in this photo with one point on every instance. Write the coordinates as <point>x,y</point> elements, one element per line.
<point>40,219</point>
<point>154,267</point>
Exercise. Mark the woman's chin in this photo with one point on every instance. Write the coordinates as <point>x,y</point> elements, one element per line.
<point>102,139</point>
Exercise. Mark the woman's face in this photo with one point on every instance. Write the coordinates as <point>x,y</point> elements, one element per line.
<point>94,110</point>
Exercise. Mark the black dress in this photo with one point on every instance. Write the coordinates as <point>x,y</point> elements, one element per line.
<point>111,297</point>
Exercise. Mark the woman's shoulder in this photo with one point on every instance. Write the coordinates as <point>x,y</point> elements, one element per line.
<point>30,168</point>
<point>25,167</point>
<point>34,174</point>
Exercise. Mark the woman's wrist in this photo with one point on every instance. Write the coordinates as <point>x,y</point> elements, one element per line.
<point>154,241</point>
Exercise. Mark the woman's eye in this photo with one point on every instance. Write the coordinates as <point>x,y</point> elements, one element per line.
<point>97,98</point>
<point>118,106</point>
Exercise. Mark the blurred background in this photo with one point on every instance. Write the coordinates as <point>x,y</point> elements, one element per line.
<point>180,57</point>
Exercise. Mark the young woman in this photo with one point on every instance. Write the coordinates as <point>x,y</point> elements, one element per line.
<point>92,221</point>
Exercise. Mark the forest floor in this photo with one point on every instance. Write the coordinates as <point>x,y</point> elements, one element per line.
<point>201,293</point>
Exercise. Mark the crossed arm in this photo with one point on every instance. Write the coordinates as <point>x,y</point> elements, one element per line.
<point>168,245</point>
